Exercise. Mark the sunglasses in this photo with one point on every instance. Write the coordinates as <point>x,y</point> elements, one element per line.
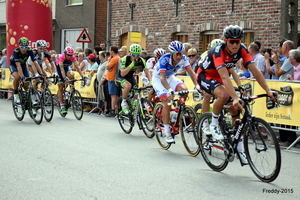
<point>69,55</point>
<point>191,55</point>
<point>177,54</point>
<point>135,55</point>
<point>24,47</point>
<point>232,41</point>
<point>42,48</point>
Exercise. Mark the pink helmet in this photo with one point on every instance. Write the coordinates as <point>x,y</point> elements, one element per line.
<point>69,51</point>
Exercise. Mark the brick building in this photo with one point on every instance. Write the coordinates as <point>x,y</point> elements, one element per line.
<point>198,22</point>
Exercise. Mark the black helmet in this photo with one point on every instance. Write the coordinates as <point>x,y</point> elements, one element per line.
<point>234,32</point>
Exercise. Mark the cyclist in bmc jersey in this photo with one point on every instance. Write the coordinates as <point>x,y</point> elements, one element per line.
<point>165,82</point>
<point>158,53</point>
<point>129,65</point>
<point>213,77</point>
<point>18,67</point>
<point>64,71</point>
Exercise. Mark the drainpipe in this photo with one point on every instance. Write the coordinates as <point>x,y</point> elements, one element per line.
<point>108,28</point>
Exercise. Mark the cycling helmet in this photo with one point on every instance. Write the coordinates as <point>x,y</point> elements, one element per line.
<point>233,31</point>
<point>42,43</point>
<point>176,46</point>
<point>69,51</point>
<point>135,49</point>
<point>215,42</point>
<point>159,52</point>
<point>23,41</point>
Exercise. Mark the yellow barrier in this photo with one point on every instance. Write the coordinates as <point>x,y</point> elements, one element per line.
<point>6,81</point>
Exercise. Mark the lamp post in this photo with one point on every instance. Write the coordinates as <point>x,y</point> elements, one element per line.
<point>132,6</point>
<point>177,2</point>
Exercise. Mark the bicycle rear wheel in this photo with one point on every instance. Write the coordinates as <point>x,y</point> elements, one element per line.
<point>198,110</point>
<point>147,118</point>
<point>212,150</point>
<point>262,150</point>
<point>35,107</point>
<point>19,108</point>
<point>188,132</point>
<point>159,127</point>
<point>76,104</point>
<point>48,105</point>
<point>126,121</point>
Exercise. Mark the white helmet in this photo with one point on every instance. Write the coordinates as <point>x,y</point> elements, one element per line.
<point>42,43</point>
<point>159,52</point>
<point>214,42</point>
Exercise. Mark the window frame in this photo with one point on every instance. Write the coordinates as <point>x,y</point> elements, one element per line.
<point>249,35</point>
<point>73,4</point>
<point>181,36</point>
<point>207,37</point>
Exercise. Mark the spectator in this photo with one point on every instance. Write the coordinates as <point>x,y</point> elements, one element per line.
<point>294,57</point>
<point>286,68</point>
<point>187,46</point>
<point>111,68</point>
<point>193,58</point>
<point>87,52</point>
<point>123,51</point>
<point>101,78</point>
<point>258,44</point>
<point>103,46</point>
<point>3,59</point>
<point>78,49</point>
<point>107,102</point>
<point>82,62</point>
<point>92,65</point>
<point>97,49</point>
<point>259,60</point>
<point>143,54</point>
<point>246,72</point>
<point>270,62</point>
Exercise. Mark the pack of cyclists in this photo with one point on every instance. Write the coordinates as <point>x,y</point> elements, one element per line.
<point>211,77</point>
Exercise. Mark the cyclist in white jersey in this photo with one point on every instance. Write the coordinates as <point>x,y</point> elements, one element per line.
<point>165,82</point>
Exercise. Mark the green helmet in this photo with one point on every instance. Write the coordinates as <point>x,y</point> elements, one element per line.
<point>215,42</point>
<point>135,49</point>
<point>23,41</point>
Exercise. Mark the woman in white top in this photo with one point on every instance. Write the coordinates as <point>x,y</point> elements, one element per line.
<point>82,62</point>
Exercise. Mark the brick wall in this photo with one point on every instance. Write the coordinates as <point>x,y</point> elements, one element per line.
<point>158,17</point>
<point>101,21</point>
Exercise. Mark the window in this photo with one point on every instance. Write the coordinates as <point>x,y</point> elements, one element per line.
<point>75,2</point>
<point>207,37</point>
<point>2,41</point>
<point>248,37</point>
<point>2,0</point>
<point>182,37</point>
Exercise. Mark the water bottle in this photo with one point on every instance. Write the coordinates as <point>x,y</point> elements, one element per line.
<point>173,116</point>
<point>66,95</point>
<point>134,104</point>
<point>229,119</point>
<point>88,81</point>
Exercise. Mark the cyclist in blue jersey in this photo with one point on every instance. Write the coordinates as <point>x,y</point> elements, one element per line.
<point>18,67</point>
<point>165,82</point>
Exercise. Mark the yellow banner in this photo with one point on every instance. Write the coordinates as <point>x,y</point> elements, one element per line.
<point>6,80</point>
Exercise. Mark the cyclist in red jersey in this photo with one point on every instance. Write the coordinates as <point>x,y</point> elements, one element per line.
<point>213,77</point>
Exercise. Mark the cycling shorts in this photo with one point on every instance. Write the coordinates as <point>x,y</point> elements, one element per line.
<point>208,85</point>
<point>67,70</point>
<point>13,68</point>
<point>160,90</point>
<point>121,81</point>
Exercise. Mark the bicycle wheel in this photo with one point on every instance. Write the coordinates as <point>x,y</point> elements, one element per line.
<point>19,108</point>
<point>146,118</point>
<point>76,104</point>
<point>159,127</point>
<point>212,150</point>
<point>198,110</point>
<point>126,121</point>
<point>262,150</point>
<point>48,104</point>
<point>35,107</point>
<point>188,132</point>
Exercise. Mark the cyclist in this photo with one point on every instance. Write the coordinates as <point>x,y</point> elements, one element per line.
<point>42,57</point>
<point>158,53</point>
<point>18,67</point>
<point>213,77</point>
<point>165,82</point>
<point>130,64</point>
<point>64,71</point>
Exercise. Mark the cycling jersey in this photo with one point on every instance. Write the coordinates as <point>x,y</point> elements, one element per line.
<point>61,60</point>
<point>44,57</point>
<point>164,64</point>
<point>22,59</point>
<point>218,58</point>
<point>126,61</point>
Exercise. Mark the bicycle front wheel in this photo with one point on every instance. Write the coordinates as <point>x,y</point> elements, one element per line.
<point>19,108</point>
<point>126,121</point>
<point>76,104</point>
<point>35,108</point>
<point>159,126</point>
<point>262,150</point>
<point>212,150</point>
<point>48,105</point>
<point>147,118</point>
<point>188,132</point>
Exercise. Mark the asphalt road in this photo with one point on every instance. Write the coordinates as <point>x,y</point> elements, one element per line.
<point>93,159</point>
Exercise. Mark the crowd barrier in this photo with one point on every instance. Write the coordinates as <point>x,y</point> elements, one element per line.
<point>283,117</point>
